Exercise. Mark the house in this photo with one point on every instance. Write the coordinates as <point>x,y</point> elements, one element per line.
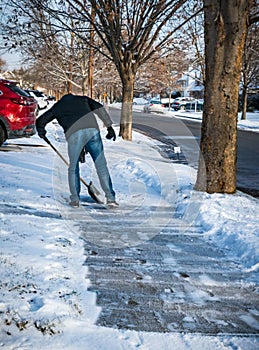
<point>191,84</point>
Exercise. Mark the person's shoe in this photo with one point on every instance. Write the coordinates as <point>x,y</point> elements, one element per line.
<point>112,204</point>
<point>74,204</point>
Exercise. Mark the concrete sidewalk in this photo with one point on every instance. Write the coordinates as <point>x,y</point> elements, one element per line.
<point>176,281</point>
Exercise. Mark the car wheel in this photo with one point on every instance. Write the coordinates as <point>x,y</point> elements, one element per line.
<point>2,135</point>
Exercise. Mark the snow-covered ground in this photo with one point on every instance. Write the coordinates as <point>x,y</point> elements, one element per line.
<point>44,297</point>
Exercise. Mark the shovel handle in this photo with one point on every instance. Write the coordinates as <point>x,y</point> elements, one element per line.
<point>54,148</point>
<point>64,160</point>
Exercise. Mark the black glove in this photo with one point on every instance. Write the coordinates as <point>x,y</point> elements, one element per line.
<point>111,133</point>
<point>42,132</point>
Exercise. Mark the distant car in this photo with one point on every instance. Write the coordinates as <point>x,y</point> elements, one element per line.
<point>154,105</point>
<point>51,98</point>
<point>39,97</point>
<point>17,112</point>
<point>196,106</point>
<point>139,101</point>
<point>179,103</point>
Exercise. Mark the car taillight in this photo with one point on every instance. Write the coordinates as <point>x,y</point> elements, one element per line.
<point>162,105</point>
<point>22,101</point>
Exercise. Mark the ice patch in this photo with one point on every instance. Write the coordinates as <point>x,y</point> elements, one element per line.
<point>250,321</point>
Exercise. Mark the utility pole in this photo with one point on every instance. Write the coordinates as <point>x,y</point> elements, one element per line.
<point>91,57</point>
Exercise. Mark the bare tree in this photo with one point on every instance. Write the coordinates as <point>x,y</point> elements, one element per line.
<point>132,31</point>
<point>47,48</point>
<point>226,23</point>
<point>195,32</point>
<point>2,64</point>
<point>250,67</point>
<point>160,75</point>
<point>53,54</point>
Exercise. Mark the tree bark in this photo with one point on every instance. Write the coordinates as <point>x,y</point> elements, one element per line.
<point>126,111</point>
<point>225,30</point>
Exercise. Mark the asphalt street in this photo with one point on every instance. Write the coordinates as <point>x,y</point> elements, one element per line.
<point>186,134</point>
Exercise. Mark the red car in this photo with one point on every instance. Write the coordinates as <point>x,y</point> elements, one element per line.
<point>17,112</point>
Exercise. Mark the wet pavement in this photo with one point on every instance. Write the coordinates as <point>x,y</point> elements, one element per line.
<point>177,281</point>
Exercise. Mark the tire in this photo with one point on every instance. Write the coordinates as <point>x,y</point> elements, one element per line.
<point>2,135</point>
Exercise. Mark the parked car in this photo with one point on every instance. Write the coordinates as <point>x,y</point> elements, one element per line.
<point>17,112</point>
<point>179,103</point>
<point>39,97</point>
<point>154,105</point>
<point>139,101</point>
<point>196,106</point>
<point>51,98</point>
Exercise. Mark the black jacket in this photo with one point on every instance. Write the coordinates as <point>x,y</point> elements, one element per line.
<point>74,112</point>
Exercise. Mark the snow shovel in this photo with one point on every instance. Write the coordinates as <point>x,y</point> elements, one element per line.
<point>92,190</point>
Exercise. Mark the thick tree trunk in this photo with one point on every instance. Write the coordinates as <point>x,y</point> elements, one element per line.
<point>225,29</point>
<point>126,111</point>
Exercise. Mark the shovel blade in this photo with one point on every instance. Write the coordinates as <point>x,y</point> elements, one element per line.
<point>94,193</point>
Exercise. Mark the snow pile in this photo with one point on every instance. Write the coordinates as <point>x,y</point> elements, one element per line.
<point>232,222</point>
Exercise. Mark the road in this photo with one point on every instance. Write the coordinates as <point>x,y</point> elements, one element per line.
<point>185,133</point>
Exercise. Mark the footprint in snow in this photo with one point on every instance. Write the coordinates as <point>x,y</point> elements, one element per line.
<point>36,304</point>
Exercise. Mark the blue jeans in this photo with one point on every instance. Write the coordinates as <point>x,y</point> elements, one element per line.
<point>89,139</point>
